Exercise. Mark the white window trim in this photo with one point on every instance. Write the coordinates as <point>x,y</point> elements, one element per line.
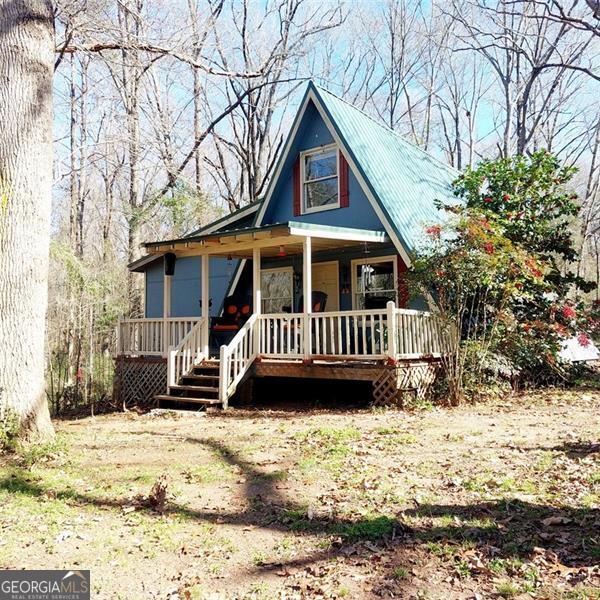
<point>371,261</point>
<point>303,155</point>
<point>289,269</point>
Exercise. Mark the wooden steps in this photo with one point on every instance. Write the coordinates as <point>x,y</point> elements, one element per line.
<point>201,386</point>
<point>190,399</point>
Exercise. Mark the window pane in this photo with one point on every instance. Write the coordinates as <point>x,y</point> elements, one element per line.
<point>276,287</point>
<point>321,193</point>
<point>373,300</point>
<point>374,285</point>
<point>320,165</point>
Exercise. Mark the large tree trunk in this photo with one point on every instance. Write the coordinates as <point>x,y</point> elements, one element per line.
<point>26,68</point>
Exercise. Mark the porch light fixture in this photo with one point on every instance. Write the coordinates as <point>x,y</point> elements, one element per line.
<point>229,257</point>
<point>281,251</point>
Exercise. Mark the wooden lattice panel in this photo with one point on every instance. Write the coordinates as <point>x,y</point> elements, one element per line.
<point>417,377</point>
<point>385,390</point>
<point>138,380</point>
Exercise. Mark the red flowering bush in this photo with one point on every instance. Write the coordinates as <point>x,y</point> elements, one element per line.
<point>583,340</point>
<point>433,230</point>
<point>507,285</point>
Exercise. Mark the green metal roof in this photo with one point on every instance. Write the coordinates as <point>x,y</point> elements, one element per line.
<point>236,215</point>
<point>404,179</point>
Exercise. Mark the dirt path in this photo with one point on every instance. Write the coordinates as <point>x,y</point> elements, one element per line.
<point>476,502</point>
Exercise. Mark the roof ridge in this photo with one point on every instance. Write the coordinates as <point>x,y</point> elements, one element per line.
<point>385,126</point>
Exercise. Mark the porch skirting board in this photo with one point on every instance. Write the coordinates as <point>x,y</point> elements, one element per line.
<point>392,384</point>
<point>138,379</point>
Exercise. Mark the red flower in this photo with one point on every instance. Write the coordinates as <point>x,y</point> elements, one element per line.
<point>486,224</point>
<point>506,197</point>
<point>487,199</point>
<point>440,273</point>
<point>433,230</point>
<point>533,268</point>
<point>568,312</point>
<point>526,327</point>
<point>583,340</point>
<point>489,247</point>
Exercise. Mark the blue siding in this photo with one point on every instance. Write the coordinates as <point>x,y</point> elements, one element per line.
<point>186,286</point>
<point>344,258</point>
<point>312,133</point>
<point>154,290</point>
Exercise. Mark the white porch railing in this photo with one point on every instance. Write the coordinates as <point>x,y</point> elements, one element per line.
<point>189,352</point>
<point>236,358</point>
<point>354,335</point>
<point>419,333</point>
<point>147,336</point>
<point>281,335</point>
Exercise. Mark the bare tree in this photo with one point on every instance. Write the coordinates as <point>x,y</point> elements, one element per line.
<point>245,152</point>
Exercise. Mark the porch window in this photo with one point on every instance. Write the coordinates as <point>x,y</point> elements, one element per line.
<point>374,282</point>
<point>320,189</point>
<point>277,289</point>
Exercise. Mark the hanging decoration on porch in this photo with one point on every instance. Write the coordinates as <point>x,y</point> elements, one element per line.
<point>366,274</point>
<point>281,251</point>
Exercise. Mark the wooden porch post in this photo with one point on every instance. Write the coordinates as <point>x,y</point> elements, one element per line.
<point>392,326</point>
<point>205,304</point>
<point>166,313</point>
<point>307,293</point>
<point>256,295</point>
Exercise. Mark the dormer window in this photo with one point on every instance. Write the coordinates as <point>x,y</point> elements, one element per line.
<point>320,182</point>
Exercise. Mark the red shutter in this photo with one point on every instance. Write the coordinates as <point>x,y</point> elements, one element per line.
<point>296,186</point>
<point>344,194</point>
<point>403,294</point>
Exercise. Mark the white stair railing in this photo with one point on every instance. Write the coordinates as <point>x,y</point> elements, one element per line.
<point>236,358</point>
<point>188,353</point>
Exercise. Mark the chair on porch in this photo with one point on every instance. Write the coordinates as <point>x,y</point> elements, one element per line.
<point>235,313</point>
<point>319,300</point>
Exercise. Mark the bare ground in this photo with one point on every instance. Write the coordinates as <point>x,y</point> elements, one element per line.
<point>482,501</point>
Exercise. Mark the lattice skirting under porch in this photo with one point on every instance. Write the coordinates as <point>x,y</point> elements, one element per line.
<point>138,380</point>
<point>408,377</point>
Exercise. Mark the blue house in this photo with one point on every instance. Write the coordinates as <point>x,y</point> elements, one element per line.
<point>345,208</point>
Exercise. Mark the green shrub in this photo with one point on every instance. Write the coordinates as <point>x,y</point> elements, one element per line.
<point>10,428</point>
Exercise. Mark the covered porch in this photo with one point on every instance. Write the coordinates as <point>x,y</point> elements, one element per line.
<point>304,335</point>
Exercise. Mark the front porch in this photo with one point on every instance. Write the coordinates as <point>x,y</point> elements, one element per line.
<point>377,336</point>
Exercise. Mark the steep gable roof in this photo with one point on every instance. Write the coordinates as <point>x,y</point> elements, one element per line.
<point>225,222</point>
<point>401,180</point>
<point>405,179</point>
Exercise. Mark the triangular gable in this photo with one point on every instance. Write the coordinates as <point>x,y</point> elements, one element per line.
<point>400,180</point>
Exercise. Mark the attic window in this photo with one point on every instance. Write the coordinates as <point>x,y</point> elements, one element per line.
<point>320,184</point>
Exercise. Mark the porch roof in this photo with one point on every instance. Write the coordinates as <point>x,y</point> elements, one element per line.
<point>239,243</point>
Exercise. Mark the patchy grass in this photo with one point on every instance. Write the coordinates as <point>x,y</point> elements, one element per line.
<point>499,500</point>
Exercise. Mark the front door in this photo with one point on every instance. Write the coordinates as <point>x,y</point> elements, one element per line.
<point>325,278</point>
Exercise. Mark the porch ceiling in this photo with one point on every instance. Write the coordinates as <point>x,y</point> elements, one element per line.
<point>239,243</point>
